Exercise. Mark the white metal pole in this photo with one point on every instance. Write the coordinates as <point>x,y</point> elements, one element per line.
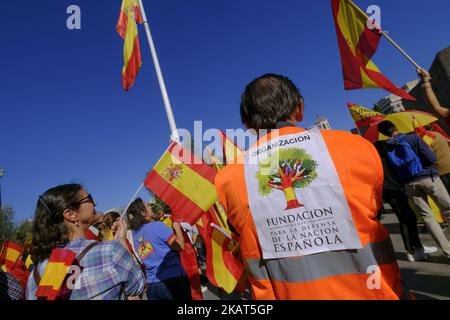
<point>172,124</point>
<point>134,197</point>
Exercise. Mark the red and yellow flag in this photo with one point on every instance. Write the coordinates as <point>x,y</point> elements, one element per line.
<point>10,254</point>
<point>357,44</point>
<point>223,269</point>
<point>130,15</point>
<point>427,136</point>
<point>11,261</point>
<point>188,259</point>
<point>364,116</point>
<point>184,183</point>
<point>54,274</point>
<point>230,150</point>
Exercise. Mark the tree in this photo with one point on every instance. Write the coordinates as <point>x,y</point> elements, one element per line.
<point>159,206</point>
<point>10,231</point>
<point>7,226</point>
<point>294,169</point>
<point>22,232</point>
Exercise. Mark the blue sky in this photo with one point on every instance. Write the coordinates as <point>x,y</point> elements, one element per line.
<point>65,118</point>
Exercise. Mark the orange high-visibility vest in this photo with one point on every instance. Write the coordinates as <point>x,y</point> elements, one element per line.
<point>330,275</point>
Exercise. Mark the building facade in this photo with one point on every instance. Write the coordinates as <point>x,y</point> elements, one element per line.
<point>440,74</point>
<point>322,123</point>
<point>392,103</point>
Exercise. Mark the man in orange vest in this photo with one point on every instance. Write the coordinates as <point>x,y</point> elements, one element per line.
<point>305,204</point>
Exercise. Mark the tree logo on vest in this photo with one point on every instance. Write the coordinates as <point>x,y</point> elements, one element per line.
<point>292,169</point>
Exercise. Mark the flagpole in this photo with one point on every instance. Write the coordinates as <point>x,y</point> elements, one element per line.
<point>134,197</point>
<point>165,96</point>
<point>400,49</point>
<point>226,234</point>
<point>387,36</point>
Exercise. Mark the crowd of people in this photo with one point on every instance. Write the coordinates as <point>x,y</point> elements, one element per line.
<point>139,256</point>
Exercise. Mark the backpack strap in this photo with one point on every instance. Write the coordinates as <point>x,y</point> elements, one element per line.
<point>37,276</point>
<point>86,250</point>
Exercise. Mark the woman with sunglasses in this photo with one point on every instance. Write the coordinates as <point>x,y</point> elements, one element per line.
<point>63,214</point>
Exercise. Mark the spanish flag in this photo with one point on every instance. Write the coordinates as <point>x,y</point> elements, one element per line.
<point>11,262</point>
<point>28,262</point>
<point>364,116</point>
<point>223,269</point>
<point>426,135</point>
<point>130,14</point>
<point>10,254</point>
<point>229,152</point>
<point>55,273</point>
<point>357,44</point>
<point>188,258</point>
<point>184,183</point>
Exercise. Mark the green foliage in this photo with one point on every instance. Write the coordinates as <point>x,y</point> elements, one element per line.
<point>7,226</point>
<point>158,205</point>
<point>23,231</point>
<point>9,230</point>
<point>268,170</point>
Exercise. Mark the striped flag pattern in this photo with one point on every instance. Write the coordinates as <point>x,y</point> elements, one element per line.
<point>130,15</point>
<point>55,272</point>
<point>184,183</point>
<point>357,44</point>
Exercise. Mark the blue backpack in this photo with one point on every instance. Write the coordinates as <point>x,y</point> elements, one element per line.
<point>404,159</point>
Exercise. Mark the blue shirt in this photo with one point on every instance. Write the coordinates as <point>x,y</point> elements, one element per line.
<point>160,260</point>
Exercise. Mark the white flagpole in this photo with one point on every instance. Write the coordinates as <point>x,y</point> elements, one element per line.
<point>129,203</point>
<point>165,96</point>
<point>407,56</point>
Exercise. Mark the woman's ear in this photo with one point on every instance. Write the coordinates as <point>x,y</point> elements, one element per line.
<point>300,110</point>
<point>70,215</point>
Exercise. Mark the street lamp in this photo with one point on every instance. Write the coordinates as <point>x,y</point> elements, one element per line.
<point>2,172</point>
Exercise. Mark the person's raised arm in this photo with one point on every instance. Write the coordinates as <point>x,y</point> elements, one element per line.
<point>120,231</point>
<point>430,95</point>
<point>177,242</point>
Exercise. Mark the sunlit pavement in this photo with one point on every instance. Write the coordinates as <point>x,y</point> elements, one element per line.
<point>427,280</point>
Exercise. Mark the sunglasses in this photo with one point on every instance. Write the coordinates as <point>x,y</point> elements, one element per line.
<point>87,199</point>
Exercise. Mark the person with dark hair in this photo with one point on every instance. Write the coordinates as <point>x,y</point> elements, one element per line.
<point>269,100</point>
<point>413,163</point>
<point>305,204</point>
<point>63,214</point>
<point>157,246</point>
<point>395,195</point>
